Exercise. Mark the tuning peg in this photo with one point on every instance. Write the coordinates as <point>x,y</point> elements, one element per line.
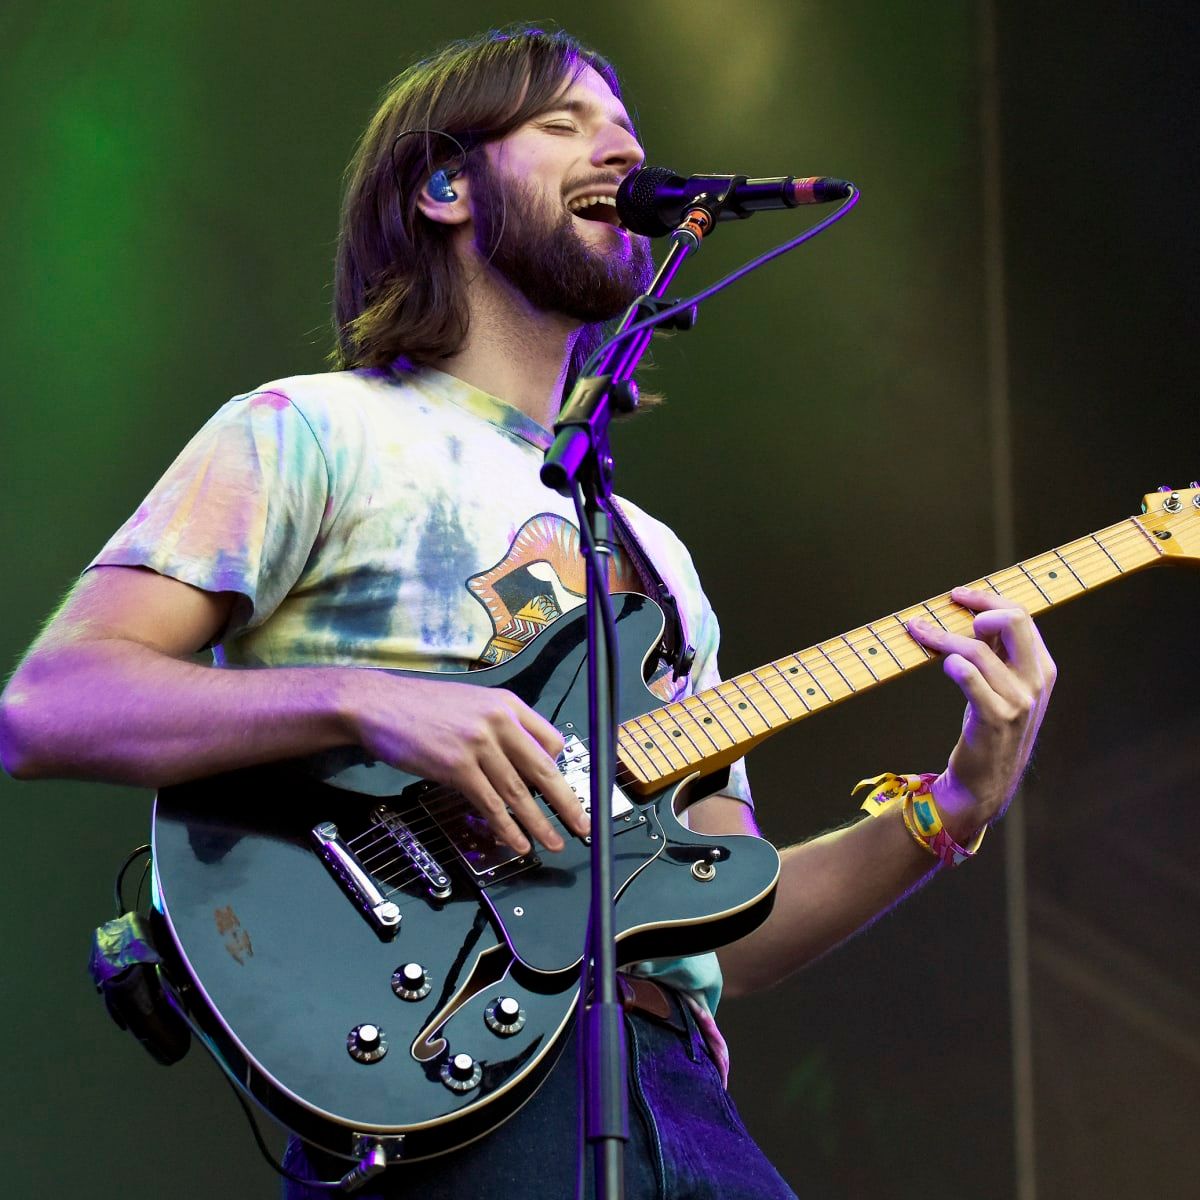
<point>1194,484</point>
<point>1166,487</point>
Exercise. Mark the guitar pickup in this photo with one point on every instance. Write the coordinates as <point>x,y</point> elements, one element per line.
<point>575,764</point>
<point>384,914</point>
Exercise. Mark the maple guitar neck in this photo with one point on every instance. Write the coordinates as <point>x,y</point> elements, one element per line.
<point>716,726</point>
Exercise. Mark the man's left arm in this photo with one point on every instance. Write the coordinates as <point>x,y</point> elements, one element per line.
<point>838,883</point>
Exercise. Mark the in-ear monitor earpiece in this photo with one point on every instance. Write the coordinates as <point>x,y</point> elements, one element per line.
<point>439,186</point>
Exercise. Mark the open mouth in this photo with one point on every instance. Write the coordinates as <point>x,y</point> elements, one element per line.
<point>596,208</point>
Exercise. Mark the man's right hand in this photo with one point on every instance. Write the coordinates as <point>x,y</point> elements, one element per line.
<point>484,742</point>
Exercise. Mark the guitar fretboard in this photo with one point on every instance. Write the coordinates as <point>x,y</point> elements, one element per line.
<point>718,725</point>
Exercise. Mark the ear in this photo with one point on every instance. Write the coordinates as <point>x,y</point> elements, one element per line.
<point>447,212</point>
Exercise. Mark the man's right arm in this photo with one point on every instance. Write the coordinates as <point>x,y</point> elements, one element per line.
<point>108,692</point>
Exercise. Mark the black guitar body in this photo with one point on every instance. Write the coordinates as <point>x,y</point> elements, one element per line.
<point>280,961</point>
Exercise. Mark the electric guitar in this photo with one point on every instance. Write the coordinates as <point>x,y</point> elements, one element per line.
<point>381,975</point>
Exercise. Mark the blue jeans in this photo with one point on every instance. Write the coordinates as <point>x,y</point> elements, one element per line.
<point>685,1136</point>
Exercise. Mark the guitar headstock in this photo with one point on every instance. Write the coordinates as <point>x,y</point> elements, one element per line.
<point>1173,516</point>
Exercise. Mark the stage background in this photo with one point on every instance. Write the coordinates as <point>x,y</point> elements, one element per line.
<point>835,447</point>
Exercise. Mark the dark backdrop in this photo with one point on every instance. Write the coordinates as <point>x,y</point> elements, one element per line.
<point>832,450</point>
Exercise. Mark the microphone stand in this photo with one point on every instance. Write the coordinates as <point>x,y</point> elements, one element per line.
<point>579,464</point>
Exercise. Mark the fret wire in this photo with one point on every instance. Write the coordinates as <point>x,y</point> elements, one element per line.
<point>679,724</point>
<point>1066,563</point>
<point>860,658</point>
<point>786,679</point>
<point>883,643</point>
<point>813,676</point>
<point>725,701</point>
<point>909,636</point>
<point>708,708</point>
<point>1107,555</point>
<point>736,682</point>
<point>825,655</point>
<point>631,747</point>
<point>700,724</point>
<point>933,615</point>
<point>766,688</point>
<point>1034,582</point>
<point>670,741</point>
<point>1154,545</point>
<point>652,735</point>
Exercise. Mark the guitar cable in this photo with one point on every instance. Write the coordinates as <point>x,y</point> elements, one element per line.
<point>124,967</point>
<point>673,310</point>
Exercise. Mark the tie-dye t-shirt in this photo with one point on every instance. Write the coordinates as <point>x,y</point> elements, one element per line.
<point>378,519</point>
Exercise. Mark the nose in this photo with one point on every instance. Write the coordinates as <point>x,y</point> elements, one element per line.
<point>618,149</point>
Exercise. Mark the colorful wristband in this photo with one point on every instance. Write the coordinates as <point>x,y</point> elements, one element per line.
<point>912,794</point>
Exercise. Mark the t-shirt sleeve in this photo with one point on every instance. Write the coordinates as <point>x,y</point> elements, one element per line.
<point>238,511</point>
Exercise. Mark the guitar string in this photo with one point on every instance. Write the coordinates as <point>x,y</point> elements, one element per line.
<point>1022,581</point>
<point>816,659</point>
<point>814,665</point>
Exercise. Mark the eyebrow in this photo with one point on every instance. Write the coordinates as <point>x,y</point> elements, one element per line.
<point>586,108</point>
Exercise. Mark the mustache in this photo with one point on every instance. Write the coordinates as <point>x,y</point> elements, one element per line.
<point>599,179</point>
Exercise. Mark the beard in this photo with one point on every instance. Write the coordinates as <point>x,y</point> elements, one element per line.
<point>538,250</point>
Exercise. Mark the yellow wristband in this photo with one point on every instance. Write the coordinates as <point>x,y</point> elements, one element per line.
<point>919,812</point>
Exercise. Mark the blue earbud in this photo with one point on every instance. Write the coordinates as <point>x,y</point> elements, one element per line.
<point>439,187</point>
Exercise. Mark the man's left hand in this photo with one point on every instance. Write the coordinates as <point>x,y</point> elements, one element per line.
<point>1007,676</point>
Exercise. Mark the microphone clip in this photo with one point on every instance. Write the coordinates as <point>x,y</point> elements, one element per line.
<point>651,306</point>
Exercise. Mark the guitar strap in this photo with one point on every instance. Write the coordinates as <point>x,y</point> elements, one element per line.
<point>673,649</point>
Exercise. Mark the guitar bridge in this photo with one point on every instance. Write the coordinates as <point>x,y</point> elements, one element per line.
<point>436,876</point>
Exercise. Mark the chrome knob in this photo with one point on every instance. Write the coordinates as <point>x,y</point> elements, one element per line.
<point>461,1073</point>
<point>366,1043</point>
<point>505,1016</point>
<point>411,981</point>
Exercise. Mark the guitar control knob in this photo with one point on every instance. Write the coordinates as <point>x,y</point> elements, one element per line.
<point>505,1016</point>
<point>411,982</point>
<point>461,1073</point>
<point>366,1043</point>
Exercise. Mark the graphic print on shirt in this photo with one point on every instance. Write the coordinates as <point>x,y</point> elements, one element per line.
<point>538,579</point>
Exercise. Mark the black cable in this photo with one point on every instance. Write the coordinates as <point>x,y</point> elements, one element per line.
<point>137,896</point>
<point>278,1168</point>
<point>118,882</point>
<point>707,293</point>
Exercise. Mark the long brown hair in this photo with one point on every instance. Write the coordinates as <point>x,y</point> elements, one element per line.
<point>397,287</point>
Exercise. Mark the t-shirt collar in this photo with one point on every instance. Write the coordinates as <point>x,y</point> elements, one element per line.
<point>485,406</point>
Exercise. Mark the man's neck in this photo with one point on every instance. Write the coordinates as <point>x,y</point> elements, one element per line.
<point>512,350</point>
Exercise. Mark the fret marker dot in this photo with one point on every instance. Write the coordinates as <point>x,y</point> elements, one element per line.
<point>812,691</point>
<point>1053,574</point>
<point>871,650</point>
<point>674,732</point>
<point>742,704</point>
<point>708,720</point>
<point>648,745</point>
<point>793,670</point>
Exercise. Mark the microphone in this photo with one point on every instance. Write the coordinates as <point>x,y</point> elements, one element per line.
<point>653,200</point>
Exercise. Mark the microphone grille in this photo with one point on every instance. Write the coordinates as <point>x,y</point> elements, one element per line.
<point>636,201</point>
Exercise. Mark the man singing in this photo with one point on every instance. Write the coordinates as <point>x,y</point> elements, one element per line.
<point>389,514</point>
